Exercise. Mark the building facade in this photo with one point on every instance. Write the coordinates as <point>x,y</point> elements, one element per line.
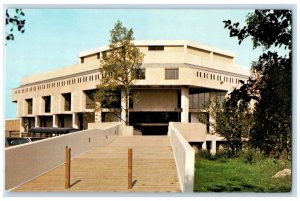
<point>175,80</point>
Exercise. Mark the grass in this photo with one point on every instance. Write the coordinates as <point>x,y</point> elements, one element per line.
<point>237,175</point>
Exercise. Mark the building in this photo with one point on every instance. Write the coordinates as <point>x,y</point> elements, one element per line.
<point>175,80</point>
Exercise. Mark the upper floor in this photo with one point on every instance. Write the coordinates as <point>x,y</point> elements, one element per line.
<point>165,63</point>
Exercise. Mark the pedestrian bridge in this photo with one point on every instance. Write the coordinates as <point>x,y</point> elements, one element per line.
<point>101,164</point>
<point>104,169</point>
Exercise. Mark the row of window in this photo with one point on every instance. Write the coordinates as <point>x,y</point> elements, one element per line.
<point>47,103</point>
<point>199,100</point>
<point>170,73</point>
<point>59,83</point>
<point>217,77</point>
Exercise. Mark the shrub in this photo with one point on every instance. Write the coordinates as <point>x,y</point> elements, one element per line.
<point>250,156</point>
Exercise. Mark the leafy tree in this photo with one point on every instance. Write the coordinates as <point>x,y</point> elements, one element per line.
<point>270,84</point>
<point>118,67</point>
<point>14,20</point>
<point>232,123</point>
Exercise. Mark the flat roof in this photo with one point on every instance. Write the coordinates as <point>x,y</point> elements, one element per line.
<point>163,43</point>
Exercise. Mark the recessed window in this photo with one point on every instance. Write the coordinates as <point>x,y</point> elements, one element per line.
<point>171,73</point>
<point>29,106</point>
<point>156,48</point>
<point>98,55</point>
<point>82,60</point>
<point>47,101</point>
<point>67,102</point>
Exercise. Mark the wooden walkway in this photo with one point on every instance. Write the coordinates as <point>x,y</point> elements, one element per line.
<point>104,169</point>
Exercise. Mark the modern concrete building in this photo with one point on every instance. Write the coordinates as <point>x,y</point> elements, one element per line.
<point>175,80</point>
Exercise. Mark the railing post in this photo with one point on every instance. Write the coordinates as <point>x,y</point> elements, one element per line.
<point>130,168</point>
<point>68,167</point>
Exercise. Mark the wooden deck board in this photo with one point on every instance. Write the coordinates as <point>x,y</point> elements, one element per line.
<point>104,169</point>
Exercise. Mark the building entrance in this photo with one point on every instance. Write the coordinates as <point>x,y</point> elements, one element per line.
<point>152,123</point>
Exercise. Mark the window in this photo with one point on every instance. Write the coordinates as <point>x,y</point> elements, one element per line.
<point>221,97</point>
<point>47,101</point>
<point>171,73</point>
<point>67,103</point>
<point>98,55</point>
<point>29,106</point>
<point>197,101</point>
<point>156,48</point>
<point>139,73</point>
<point>82,60</point>
<point>200,74</point>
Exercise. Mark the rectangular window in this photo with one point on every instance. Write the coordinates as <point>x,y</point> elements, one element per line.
<point>98,55</point>
<point>82,60</point>
<point>156,48</point>
<point>171,73</point>
<point>47,101</point>
<point>67,102</point>
<point>140,73</point>
<point>89,103</point>
<point>29,105</point>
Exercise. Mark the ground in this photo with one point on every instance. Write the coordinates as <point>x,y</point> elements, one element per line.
<point>238,175</point>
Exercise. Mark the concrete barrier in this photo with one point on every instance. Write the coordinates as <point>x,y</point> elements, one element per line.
<point>28,161</point>
<point>184,157</point>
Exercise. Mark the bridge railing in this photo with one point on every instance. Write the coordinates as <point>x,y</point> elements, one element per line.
<point>184,157</point>
<point>28,161</point>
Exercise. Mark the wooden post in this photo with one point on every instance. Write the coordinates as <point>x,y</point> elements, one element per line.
<point>130,168</point>
<point>68,167</point>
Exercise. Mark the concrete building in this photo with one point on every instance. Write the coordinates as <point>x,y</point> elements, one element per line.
<point>175,80</point>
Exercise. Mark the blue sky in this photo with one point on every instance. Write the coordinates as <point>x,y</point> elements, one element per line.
<point>54,37</point>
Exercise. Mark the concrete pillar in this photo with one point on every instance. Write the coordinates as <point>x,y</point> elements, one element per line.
<point>185,104</point>
<point>213,149</point>
<point>75,121</point>
<point>37,121</point>
<point>212,98</point>
<point>123,106</point>
<point>22,126</point>
<point>204,145</point>
<point>55,121</point>
<point>98,113</point>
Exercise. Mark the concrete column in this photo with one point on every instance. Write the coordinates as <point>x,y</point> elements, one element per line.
<point>22,126</point>
<point>37,121</point>
<point>123,106</point>
<point>75,121</point>
<point>204,145</point>
<point>212,98</point>
<point>98,113</point>
<point>55,121</point>
<point>185,104</point>
<point>213,149</point>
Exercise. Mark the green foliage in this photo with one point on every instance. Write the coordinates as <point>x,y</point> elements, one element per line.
<point>14,19</point>
<point>234,175</point>
<point>231,122</point>
<point>269,88</point>
<point>118,65</point>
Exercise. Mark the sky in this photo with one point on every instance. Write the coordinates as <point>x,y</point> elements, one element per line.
<point>53,38</point>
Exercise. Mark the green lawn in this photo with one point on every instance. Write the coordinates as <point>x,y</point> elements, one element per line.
<point>235,175</point>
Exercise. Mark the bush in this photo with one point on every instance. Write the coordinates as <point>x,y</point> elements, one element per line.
<point>250,156</point>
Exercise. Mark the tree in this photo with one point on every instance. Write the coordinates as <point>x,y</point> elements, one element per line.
<point>270,84</point>
<point>13,20</point>
<point>232,123</point>
<point>119,66</point>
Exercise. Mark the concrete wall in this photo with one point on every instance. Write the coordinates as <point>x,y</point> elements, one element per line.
<point>185,159</point>
<point>25,162</point>
<point>192,132</point>
<point>155,100</point>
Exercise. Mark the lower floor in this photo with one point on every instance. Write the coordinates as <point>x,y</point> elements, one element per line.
<point>149,113</point>
<point>144,123</point>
